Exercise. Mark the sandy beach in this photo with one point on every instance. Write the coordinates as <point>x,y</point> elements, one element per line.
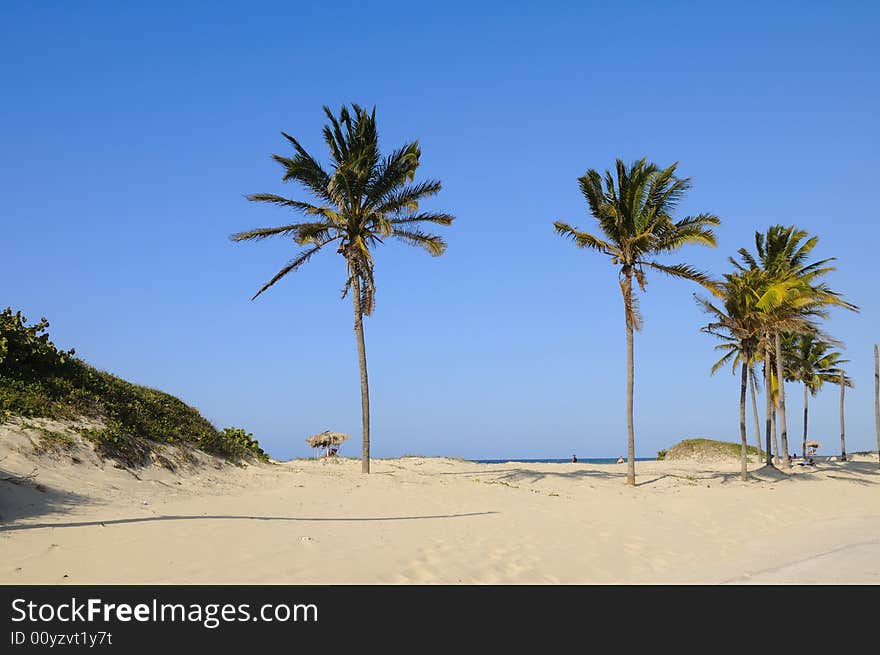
<point>433,520</point>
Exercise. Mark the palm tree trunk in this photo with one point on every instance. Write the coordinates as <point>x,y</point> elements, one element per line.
<point>877,399</point>
<point>365,385</point>
<point>742,421</point>
<point>783,426</point>
<point>768,404</point>
<point>755,413</point>
<point>806,406</point>
<point>842,429</point>
<point>776,450</point>
<point>630,433</point>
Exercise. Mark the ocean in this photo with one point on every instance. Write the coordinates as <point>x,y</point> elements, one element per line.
<point>585,460</point>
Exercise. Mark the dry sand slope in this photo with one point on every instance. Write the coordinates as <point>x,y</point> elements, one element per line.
<point>434,520</point>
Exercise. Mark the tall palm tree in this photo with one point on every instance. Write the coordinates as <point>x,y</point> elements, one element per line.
<point>877,398</point>
<point>757,418</point>
<point>794,297</point>
<point>362,200</point>
<point>634,209</point>
<point>842,382</point>
<point>809,359</point>
<point>738,323</point>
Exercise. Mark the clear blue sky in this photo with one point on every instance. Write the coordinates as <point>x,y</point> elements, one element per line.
<point>130,134</point>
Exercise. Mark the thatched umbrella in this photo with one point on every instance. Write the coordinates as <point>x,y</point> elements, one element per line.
<point>813,444</point>
<point>327,440</point>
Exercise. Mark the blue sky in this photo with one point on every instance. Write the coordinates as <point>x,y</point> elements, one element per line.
<point>130,135</point>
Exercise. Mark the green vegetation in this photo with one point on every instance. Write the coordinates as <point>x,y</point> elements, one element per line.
<point>235,444</point>
<point>661,454</point>
<point>708,448</point>
<point>52,441</point>
<point>39,380</point>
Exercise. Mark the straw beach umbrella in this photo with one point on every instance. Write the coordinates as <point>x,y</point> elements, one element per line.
<point>327,441</point>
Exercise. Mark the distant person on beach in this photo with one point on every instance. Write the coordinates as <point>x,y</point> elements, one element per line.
<point>620,459</point>
<point>574,459</point>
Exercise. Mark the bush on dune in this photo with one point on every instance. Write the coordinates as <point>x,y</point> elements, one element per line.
<point>708,449</point>
<point>39,380</point>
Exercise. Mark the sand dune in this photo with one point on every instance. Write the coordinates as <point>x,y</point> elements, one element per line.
<point>435,520</point>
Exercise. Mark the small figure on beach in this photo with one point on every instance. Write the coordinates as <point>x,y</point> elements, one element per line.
<point>574,459</point>
<point>620,459</point>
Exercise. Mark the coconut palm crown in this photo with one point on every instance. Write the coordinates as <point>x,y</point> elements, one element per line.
<point>634,212</point>
<point>809,359</point>
<point>363,200</point>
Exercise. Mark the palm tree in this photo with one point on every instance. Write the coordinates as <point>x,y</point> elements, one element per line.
<point>738,324</point>
<point>752,386</point>
<point>364,199</point>
<point>634,210</point>
<point>810,359</point>
<point>793,297</point>
<point>877,398</point>
<point>733,348</point>
<point>842,428</point>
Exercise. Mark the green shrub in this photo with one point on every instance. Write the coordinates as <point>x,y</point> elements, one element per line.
<point>661,454</point>
<point>688,448</point>
<point>51,441</point>
<point>114,441</point>
<point>234,444</point>
<point>38,380</point>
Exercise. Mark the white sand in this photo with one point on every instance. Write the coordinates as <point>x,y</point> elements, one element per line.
<point>434,520</point>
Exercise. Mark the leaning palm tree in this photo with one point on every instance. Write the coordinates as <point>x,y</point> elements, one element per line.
<point>809,359</point>
<point>755,414</point>
<point>733,353</point>
<point>634,210</point>
<point>773,305</point>
<point>362,200</point>
<point>788,307</point>
<point>738,323</point>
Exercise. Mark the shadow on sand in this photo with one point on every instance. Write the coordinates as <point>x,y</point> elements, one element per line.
<point>844,471</point>
<point>220,517</point>
<point>24,496</point>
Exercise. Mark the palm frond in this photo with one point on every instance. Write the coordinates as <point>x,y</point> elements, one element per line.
<point>265,232</point>
<point>685,272</point>
<point>406,198</point>
<point>438,218</point>
<point>584,239</point>
<point>432,243</point>
<point>305,207</point>
<point>291,266</point>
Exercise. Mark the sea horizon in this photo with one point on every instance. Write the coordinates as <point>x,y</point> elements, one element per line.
<point>564,460</point>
